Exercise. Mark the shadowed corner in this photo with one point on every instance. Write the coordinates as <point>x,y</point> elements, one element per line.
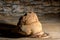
<point>6,31</point>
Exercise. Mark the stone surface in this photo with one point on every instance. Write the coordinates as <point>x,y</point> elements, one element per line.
<point>27,6</point>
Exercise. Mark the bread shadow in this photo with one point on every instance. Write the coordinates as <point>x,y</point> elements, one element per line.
<point>6,31</point>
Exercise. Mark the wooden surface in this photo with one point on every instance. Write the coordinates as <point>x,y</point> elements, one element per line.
<point>51,26</point>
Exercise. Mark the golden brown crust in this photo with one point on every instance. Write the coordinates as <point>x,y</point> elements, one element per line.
<point>29,24</point>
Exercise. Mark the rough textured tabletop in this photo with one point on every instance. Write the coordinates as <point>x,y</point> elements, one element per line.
<point>50,26</point>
